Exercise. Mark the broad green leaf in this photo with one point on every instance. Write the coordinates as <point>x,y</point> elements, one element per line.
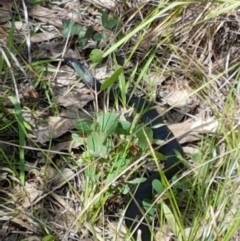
<point>89,32</point>
<point>98,36</point>
<point>96,55</point>
<point>125,189</point>
<point>109,22</point>
<point>158,187</point>
<point>85,126</point>
<point>77,138</point>
<point>82,34</point>
<point>97,145</point>
<point>147,204</point>
<point>112,22</point>
<point>123,128</point>
<point>108,123</point>
<point>70,27</point>
<point>27,126</point>
<point>104,18</point>
<point>160,156</point>
<point>145,136</point>
<point>109,81</point>
<point>197,158</point>
<point>137,180</point>
<point>83,41</point>
<point>171,221</point>
<point>126,125</point>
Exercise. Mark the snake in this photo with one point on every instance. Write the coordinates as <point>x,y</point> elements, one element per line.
<point>134,218</point>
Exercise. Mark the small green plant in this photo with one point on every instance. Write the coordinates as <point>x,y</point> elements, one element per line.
<point>83,34</point>
<point>99,141</point>
<point>107,143</point>
<point>110,22</point>
<point>96,56</point>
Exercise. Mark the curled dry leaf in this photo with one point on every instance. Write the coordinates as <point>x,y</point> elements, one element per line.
<point>53,17</point>
<point>56,127</point>
<point>3,36</point>
<point>27,195</point>
<point>63,203</point>
<point>188,131</point>
<point>104,4</point>
<point>58,177</point>
<point>32,193</point>
<point>3,175</point>
<point>95,230</point>
<point>188,233</point>
<point>205,126</point>
<point>164,234</point>
<point>74,98</point>
<point>156,78</point>
<point>117,231</point>
<point>177,98</point>
<point>67,174</point>
<point>102,72</point>
<point>21,31</point>
<point>25,222</point>
<point>63,146</point>
<point>48,173</point>
<point>45,36</point>
<point>68,89</point>
<point>5,11</point>
<point>190,150</point>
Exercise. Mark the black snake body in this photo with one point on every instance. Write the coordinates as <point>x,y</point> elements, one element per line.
<point>172,165</point>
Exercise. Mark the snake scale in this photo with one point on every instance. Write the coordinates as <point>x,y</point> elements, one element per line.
<point>150,117</point>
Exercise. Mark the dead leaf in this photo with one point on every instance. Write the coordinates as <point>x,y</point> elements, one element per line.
<point>197,235</point>
<point>164,234</point>
<point>45,36</point>
<point>53,16</point>
<point>180,129</point>
<point>117,231</point>
<point>26,222</point>
<point>105,4</point>
<point>74,98</point>
<point>205,126</point>
<point>5,11</point>
<point>65,146</point>
<point>58,177</point>
<point>55,127</point>
<point>156,78</point>
<point>177,98</point>
<point>188,131</point>
<point>3,36</point>
<point>190,150</point>
<point>102,73</point>
<point>31,193</point>
<point>171,221</point>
